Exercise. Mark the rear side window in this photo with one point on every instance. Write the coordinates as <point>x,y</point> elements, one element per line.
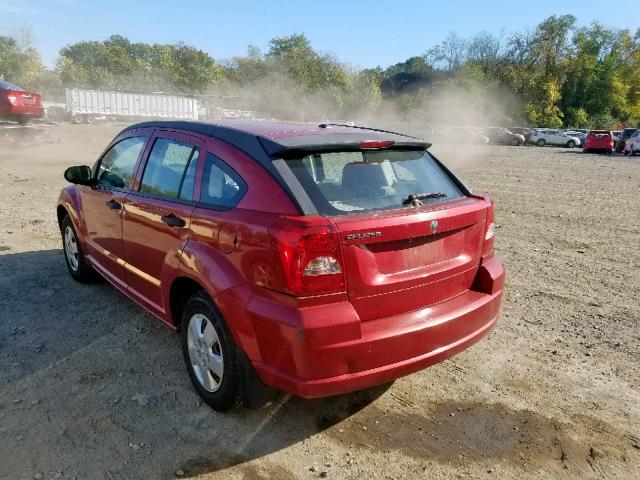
<point>341,183</point>
<point>170,170</point>
<point>116,167</point>
<point>221,186</point>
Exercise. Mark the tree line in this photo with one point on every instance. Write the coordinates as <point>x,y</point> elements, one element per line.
<point>557,74</point>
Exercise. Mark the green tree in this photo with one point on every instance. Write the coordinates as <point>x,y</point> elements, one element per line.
<point>407,76</point>
<point>117,63</point>
<point>21,64</point>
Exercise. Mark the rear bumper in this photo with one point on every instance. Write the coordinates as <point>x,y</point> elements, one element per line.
<point>604,148</point>
<point>35,111</point>
<point>325,350</point>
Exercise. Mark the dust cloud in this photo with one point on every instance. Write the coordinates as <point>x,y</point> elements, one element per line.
<point>450,117</point>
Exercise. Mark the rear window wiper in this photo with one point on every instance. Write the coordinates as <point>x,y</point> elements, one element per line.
<point>414,198</point>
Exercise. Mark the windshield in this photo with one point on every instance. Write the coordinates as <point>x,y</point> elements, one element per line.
<point>341,183</point>
<point>9,86</point>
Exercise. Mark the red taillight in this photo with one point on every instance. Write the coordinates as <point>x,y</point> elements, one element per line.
<point>310,256</point>
<point>489,232</point>
<point>376,144</point>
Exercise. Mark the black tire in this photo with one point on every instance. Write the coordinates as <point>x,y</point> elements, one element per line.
<point>81,272</point>
<point>23,119</point>
<point>515,142</point>
<point>541,142</point>
<point>571,144</point>
<point>230,393</point>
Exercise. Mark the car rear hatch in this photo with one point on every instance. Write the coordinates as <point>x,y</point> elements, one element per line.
<point>24,98</point>
<point>411,235</point>
<point>404,260</point>
<point>600,139</point>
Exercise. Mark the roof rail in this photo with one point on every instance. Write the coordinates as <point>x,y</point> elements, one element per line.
<point>325,125</point>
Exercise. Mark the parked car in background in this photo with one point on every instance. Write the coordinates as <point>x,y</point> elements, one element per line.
<point>577,133</point>
<point>598,140</point>
<point>583,131</point>
<point>632,145</point>
<point>18,104</point>
<point>616,137</point>
<point>624,135</point>
<point>503,136</point>
<point>525,132</point>
<point>544,137</point>
<point>316,259</point>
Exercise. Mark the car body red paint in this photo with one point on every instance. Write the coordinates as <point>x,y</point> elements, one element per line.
<point>420,282</point>
<point>19,104</point>
<point>598,140</point>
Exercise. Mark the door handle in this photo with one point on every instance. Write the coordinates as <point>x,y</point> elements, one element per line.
<point>172,220</point>
<point>113,205</point>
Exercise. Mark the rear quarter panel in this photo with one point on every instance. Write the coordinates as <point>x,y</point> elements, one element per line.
<point>228,248</point>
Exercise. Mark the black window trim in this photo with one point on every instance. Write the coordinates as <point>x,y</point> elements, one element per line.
<point>186,169</point>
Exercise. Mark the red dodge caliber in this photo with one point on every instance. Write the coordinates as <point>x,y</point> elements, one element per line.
<point>316,259</point>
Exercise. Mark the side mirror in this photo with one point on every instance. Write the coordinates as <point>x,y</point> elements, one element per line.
<point>80,175</point>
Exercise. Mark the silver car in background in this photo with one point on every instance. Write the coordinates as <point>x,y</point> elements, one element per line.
<point>546,136</point>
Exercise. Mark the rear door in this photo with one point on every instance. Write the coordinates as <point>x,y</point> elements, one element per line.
<point>399,255</point>
<point>158,213</point>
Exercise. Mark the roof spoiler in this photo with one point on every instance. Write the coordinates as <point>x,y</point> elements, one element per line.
<point>294,147</point>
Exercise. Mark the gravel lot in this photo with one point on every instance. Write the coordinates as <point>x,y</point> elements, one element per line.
<point>92,387</point>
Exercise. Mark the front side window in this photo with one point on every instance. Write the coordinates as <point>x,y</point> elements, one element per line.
<point>116,167</point>
<point>170,170</point>
<point>221,186</point>
<point>340,183</point>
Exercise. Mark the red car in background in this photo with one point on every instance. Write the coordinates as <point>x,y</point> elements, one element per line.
<point>598,140</point>
<point>19,104</point>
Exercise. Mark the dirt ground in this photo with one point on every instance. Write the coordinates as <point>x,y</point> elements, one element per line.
<point>91,387</point>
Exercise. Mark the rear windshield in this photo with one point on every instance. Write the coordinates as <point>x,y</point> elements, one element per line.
<point>340,183</point>
<point>8,86</point>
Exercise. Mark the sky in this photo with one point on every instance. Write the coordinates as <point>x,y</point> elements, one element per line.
<point>362,33</point>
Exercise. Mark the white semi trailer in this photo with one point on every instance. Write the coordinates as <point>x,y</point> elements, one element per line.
<point>84,104</point>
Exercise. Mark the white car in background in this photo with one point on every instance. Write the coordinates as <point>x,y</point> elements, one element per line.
<point>577,133</point>
<point>632,144</point>
<point>545,136</point>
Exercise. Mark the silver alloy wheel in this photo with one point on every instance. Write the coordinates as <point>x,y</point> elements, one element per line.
<point>205,352</point>
<point>71,248</point>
